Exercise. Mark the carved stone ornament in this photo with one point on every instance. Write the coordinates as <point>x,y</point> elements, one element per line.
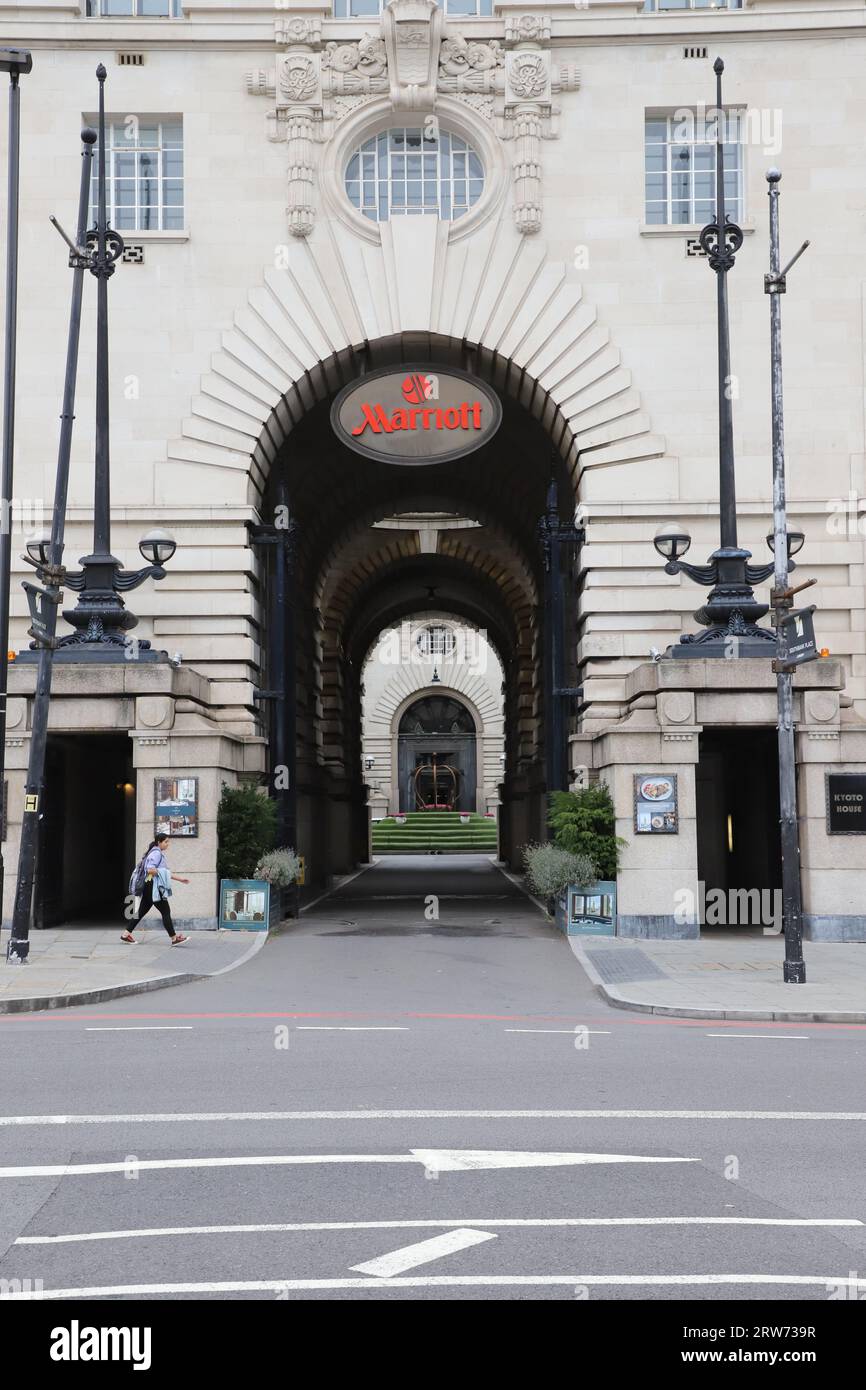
<point>413,59</point>
<point>299,78</point>
<point>413,31</point>
<point>527,28</point>
<point>528,76</point>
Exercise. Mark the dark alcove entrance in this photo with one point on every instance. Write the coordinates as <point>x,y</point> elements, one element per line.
<point>737,805</point>
<point>87,839</point>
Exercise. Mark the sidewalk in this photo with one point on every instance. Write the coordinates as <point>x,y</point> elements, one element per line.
<point>726,975</point>
<point>87,965</point>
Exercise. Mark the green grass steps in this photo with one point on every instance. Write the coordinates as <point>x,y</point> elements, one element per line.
<point>442,830</point>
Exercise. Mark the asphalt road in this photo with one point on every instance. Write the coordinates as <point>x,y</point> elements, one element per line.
<point>377,1079</point>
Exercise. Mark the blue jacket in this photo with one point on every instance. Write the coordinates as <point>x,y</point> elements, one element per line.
<point>162,883</point>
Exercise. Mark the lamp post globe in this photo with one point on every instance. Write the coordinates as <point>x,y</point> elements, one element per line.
<point>37,547</point>
<point>796,540</point>
<point>157,546</point>
<point>671,540</point>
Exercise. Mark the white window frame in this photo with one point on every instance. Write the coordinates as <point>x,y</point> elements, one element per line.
<point>436,641</point>
<point>98,9</point>
<point>677,139</point>
<point>119,143</point>
<point>676,6</point>
<point>457,9</point>
<point>378,175</point>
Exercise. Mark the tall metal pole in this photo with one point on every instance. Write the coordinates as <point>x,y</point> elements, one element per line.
<point>792,908</point>
<point>13,61</point>
<point>727,483</point>
<point>53,573</point>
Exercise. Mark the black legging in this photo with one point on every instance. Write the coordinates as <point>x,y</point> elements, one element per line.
<point>161,906</point>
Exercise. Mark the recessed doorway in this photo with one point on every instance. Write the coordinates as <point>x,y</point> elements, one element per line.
<point>738,834</point>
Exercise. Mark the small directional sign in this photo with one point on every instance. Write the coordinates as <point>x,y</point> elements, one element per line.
<point>799,634</point>
<point>38,600</point>
<point>31,802</point>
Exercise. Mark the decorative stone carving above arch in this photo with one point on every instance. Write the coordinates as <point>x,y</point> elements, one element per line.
<point>414,60</point>
<point>296,341</point>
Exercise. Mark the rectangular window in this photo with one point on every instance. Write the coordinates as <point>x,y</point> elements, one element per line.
<point>680,168</point>
<point>650,5</point>
<point>362,9</point>
<point>143,174</point>
<point>133,9</point>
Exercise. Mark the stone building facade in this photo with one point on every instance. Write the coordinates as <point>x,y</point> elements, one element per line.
<point>284,241</point>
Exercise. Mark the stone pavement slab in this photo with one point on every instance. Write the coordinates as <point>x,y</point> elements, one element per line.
<point>87,965</point>
<point>727,975</point>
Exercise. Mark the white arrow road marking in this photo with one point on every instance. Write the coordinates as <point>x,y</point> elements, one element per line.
<point>453,1281</point>
<point>467,1160</point>
<point>257,1116</point>
<point>409,1256</point>
<point>266,1228</point>
<point>440,1160</point>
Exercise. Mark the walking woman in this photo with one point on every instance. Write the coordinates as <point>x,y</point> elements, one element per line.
<point>156,891</point>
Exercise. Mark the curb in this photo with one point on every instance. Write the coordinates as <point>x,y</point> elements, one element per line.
<point>621,1001</point>
<point>43,1002</point>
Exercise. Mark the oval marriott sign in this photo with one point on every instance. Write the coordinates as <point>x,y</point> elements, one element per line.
<point>411,415</point>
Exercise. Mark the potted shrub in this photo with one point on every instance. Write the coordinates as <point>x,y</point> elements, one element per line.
<point>465,817</point>
<point>400,818</point>
<point>584,822</point>
<point>552,871</point>
<point>246,829</point>
<point>279,868</point>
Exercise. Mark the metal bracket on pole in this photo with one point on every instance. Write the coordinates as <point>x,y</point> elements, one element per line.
<point>40,629</point>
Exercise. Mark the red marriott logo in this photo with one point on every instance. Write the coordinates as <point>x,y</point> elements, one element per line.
<point>466,416</point>
<point>414,416</point>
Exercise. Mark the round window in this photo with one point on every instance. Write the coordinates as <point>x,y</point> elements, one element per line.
<point>411,171</point>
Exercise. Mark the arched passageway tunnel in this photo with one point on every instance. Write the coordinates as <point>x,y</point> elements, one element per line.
<point>368,543</point>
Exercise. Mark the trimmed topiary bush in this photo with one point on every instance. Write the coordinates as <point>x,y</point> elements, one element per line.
<point>584,822</point>
<point>246,830</point>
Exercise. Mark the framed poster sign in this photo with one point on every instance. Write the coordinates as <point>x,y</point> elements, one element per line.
<point>244,904</point>
<point>592,909</point>
<point>655,803</point>
<point>846,803</point>
<point>175,809</point>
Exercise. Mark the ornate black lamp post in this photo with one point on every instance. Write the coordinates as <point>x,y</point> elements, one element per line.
<point>100,618</point>
<point>731,610</point>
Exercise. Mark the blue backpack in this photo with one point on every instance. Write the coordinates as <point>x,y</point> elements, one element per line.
<point>138,877</point>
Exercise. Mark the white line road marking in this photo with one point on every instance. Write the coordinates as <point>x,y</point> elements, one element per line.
<point>438,1160</point>
<point>442,1281</point>
<point>410,1256</point>
<point>146,1028</point>
<point>596,1032</point>
<point>342,1028</point>
<point>762,1037</point>
<point>477,1160</point>
<point>157,1232</point>
<point>257,1116</point>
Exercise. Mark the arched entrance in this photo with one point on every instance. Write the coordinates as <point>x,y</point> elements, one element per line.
<point>349,554</point>
<point>437,758</point>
